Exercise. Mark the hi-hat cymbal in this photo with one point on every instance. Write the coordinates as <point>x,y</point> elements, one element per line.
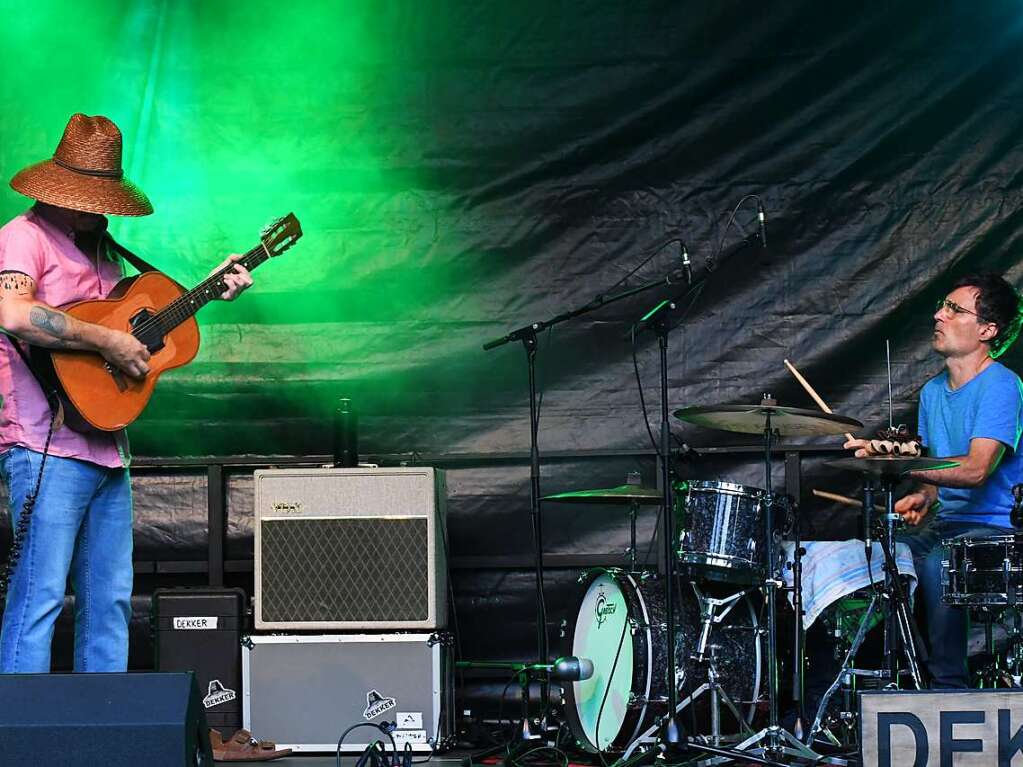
<point>644,496</point>
<point>751,419</point>
<point>890,465</point>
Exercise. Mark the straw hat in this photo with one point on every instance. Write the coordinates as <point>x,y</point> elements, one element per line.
<point>85,172</point>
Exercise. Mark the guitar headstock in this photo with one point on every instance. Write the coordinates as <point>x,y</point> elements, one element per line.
<point>280,234</point>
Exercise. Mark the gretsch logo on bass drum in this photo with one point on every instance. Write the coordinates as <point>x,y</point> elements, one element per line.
<point>604,608</point>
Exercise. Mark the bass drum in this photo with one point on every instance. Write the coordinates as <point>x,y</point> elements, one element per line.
<point>620,626</point>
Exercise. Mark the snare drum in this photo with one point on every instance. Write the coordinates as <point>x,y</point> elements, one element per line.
<point>983,573</point>
<point>620,627</point>
<point>721,528</point>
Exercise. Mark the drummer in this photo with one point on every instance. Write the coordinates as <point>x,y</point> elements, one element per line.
<point>972,413</point>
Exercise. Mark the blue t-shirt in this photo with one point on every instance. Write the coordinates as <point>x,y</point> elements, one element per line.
<point>990,405</point>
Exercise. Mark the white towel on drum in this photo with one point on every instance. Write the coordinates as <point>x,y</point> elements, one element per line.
<point>833,569</point>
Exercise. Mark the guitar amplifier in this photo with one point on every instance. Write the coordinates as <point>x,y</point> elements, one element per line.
<point>350,549</point>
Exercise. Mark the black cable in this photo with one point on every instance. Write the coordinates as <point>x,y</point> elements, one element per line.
<point>522,761</point>
<point>695,293</point>
<point>20,533</point>
<point>657,251</point>
<point>621,642</point>
<point>729,222</point>
<point>607,689</point>
<point>382,727</point>
<point>642,399</point>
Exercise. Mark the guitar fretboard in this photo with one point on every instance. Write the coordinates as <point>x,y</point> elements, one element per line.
<point>212,287</point>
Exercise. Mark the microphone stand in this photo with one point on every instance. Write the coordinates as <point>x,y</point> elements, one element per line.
<point>671,739</point>
<point>527,335</point>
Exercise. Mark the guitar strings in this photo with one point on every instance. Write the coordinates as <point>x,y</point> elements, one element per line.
<point>186,301</point>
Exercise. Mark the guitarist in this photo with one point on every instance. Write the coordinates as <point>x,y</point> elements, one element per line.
<point>78,519</point>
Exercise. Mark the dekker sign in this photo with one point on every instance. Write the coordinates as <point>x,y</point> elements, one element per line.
<point>925,729</point>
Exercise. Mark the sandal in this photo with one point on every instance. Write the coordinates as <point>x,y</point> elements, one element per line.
<point>242,747</point>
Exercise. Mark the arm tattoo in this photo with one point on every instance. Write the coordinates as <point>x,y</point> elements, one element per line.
<point>50,321</point>
<point>18,283</point>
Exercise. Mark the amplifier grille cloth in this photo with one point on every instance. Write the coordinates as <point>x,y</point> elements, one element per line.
<point>362,569</point>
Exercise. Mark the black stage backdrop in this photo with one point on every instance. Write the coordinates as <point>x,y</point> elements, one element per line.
<point>574,139</point>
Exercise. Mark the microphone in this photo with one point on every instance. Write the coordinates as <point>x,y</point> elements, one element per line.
<point>760,220</point>
<point>567,668</point>
<point>687,265</point>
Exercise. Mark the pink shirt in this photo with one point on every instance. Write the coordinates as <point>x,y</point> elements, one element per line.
<point>63,274</point>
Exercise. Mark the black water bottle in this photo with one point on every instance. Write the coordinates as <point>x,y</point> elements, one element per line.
<point>346,435</point>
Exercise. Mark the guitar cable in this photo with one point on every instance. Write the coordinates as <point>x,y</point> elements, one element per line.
<point>20,534</point>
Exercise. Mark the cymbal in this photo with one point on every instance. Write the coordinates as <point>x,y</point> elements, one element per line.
<point>644,496</point>
<point>750,419</point>
<point>890,465</point>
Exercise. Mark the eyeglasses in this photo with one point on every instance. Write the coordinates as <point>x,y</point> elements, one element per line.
<point>955,308</point>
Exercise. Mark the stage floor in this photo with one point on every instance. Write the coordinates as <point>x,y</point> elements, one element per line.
<point>450,759</point>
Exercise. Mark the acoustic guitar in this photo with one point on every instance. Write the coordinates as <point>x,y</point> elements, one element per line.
<point>160,314</point>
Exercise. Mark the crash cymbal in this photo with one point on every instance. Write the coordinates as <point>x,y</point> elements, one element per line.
<point>786,421</point>
<point>644,496</point>
<point>890,465</point>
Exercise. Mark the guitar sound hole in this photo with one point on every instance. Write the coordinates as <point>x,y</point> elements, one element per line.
<point>151,336</point>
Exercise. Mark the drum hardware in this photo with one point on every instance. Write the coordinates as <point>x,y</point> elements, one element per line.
<point>998,671</point>
<point>712,612</point>
<point>880,474</point>
<point>798,634</point>
<point>770,420</point>
<point>845,679</point>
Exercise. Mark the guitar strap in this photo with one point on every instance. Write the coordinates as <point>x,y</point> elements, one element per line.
<point>139,263</point>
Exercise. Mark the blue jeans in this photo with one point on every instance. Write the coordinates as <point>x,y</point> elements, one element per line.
<point>82,526</point>
<point>947,627</point>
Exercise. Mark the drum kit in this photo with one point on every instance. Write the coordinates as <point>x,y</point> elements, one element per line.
<point>723,578</point>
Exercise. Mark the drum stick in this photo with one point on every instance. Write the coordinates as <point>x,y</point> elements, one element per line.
<point>809,390</point>
<point>845,500</point>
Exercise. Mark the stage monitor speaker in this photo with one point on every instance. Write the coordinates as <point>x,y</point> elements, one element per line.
<point>350,549</point>
<point>113,720</point>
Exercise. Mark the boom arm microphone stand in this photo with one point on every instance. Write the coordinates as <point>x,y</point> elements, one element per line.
<point>528,336</point>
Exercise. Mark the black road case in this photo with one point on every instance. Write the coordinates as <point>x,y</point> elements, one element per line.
<point>199,629</point>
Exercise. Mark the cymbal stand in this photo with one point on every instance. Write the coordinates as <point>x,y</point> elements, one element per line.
<point>798,639</point>
<point>671,741</point>
<point>773,741</point>
<point>901,634</point>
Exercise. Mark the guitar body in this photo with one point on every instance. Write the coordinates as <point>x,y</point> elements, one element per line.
<point>103,397</point>
<point>160,314</point>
